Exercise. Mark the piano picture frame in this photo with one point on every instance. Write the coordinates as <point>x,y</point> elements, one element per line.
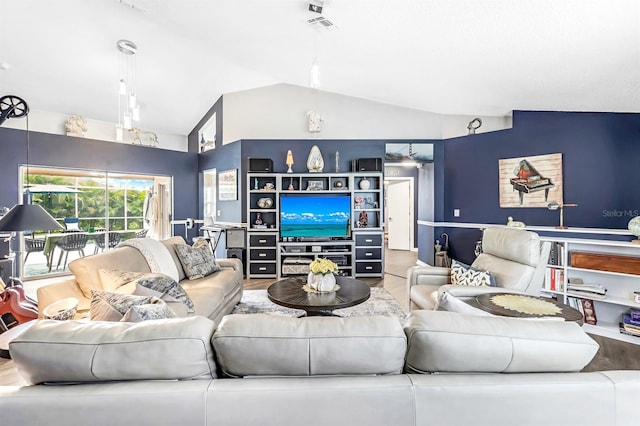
<point>531,181</point>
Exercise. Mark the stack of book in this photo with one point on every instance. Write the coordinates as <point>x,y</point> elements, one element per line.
<point>588,291</point>
<point>554,279</point>
<point>556,254</point>
<point>586,307</point>
<point>631,323</point>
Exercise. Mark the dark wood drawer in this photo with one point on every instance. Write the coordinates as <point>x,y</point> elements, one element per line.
<point>262,254</point>
<point>372,253</point>
<point>262,240</point>
<point>606,262</point>
<point>262,268</point>
<point>368,267</point>
<point>368,239</point>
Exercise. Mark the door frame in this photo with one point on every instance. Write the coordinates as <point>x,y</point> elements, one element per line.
<point>412,224</point>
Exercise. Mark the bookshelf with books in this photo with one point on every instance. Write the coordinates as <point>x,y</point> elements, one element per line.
<point>593,276</point>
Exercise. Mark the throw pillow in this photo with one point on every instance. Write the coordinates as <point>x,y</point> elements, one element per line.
<point>151,311</point>
<point>111,306</point>
<point>458,270</point>
<point>164,287</point>
<point>113,279</point>
<point>462,274</point>
<point>197,260</point>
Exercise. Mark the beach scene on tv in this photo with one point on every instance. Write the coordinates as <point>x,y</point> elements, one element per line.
<point>315,216</point>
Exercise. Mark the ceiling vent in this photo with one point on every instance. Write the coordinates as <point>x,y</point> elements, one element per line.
<point>321,21</point>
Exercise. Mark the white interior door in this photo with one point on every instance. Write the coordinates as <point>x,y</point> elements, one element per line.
<point>400,214</point>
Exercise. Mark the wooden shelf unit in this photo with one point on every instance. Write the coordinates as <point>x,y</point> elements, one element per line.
<point>620,286</point>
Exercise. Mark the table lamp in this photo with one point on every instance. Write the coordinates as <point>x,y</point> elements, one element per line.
<point>557,206</point>
<point>289,161</point>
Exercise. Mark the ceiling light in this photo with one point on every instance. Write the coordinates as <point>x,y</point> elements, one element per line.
<point>314,80</point>
<point>315,74</point>
<point>128,107</point>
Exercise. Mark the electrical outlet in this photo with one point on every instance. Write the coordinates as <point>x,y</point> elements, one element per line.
<point>456,212</point>
<point>219,213</point>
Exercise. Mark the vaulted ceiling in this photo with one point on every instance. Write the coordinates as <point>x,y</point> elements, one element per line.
<point>471,57</point>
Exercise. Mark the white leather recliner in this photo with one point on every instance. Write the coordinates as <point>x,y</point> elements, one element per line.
<point>516,258</point>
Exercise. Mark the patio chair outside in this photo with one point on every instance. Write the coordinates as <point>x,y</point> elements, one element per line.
<point>74,242</point>
<point>72,224</point>
<point>114,240</point>
<point>32,245</point>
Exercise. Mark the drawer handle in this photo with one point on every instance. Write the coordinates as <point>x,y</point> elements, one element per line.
<point>368,267</point>
<point>262,254</point>
<point>368,254</point>
<point>262,241</point>
<point>368,241</point>
<point>262,268</point>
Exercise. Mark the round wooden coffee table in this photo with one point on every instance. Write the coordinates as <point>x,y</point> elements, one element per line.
<point>289,293</point>
<point>523,306</point>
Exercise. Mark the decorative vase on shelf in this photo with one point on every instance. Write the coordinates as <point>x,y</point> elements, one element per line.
<point>321,282</point>
<point>315,162</point>
<point>365,184</point>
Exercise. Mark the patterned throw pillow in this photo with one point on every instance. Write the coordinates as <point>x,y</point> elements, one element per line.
<point>138,313</point>
<point>197,260</point>
<point>462,274</point>
<point>163,287</point>
<point>146,284</point>
<point>112,306</point>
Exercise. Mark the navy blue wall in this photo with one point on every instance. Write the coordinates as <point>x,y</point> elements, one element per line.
<point>600,154</point>
<point>192,138</point>
<point>224,158</point>
<point>70,152</point>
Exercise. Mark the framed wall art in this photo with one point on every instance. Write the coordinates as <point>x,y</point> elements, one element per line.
<point>228,185</point>
<point>533,181</point>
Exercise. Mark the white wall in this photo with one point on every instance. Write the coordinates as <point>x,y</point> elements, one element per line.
<point>280,112</point>
<point>54,123</point>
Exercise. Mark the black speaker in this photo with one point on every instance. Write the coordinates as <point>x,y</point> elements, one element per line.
<point>235,238</point>
<point>260,165</point>
<point>369,165</point>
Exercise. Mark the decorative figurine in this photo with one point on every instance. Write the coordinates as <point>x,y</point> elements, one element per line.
<point>76,125</point>
<point>363,220</point>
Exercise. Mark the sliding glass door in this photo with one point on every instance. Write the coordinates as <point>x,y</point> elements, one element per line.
<point>101,201</point>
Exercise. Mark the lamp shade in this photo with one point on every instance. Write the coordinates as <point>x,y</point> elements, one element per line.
<point>28,217</point>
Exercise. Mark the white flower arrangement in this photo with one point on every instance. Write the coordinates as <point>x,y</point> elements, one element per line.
<point>323,266</point>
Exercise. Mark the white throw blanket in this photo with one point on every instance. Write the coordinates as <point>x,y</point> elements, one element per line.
<point>156,254</point>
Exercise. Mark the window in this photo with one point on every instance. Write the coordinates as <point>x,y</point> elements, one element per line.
<point>102,201</point>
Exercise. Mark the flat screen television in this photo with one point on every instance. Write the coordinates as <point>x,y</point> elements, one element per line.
<point>315,216</point>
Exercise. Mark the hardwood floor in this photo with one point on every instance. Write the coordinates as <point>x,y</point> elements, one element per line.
<point>396,264</point>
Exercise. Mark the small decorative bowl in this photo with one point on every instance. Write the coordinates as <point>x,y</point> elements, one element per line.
<point>62,310</point>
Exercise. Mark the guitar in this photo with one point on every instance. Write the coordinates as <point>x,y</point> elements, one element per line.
<point>14,302</point>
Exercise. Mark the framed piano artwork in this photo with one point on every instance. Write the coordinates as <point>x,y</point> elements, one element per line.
<point>533,181</point>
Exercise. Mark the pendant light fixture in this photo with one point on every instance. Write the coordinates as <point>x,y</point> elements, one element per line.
<point>128,107</point>
<point>314,80</point>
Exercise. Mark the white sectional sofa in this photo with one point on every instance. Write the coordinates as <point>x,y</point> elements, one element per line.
<point>214,295</point>
<point>439,368</point>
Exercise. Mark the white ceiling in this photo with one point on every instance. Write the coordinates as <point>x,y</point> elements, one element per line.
<point>469,57</point>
